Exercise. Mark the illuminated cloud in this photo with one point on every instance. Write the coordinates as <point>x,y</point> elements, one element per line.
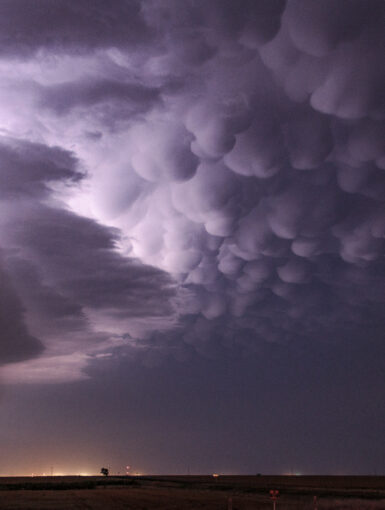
<point>58,269</point>
<point>218,168</point>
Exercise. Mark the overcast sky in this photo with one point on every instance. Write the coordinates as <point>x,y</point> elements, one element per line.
<point>192,223</point>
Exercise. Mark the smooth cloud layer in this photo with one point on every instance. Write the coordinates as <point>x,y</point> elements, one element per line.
<point>238,147</point>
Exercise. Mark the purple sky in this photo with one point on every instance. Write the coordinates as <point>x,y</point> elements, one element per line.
<point>192,223</point>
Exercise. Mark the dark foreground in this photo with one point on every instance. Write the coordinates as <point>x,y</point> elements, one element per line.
<point>192,492</point>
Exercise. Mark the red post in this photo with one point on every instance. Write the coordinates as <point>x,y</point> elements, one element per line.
<point>274,495</point>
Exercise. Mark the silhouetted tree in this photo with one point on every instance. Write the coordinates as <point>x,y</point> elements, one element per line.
<point>104,471</point>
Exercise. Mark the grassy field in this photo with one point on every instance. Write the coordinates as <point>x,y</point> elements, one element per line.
<point>192,492</point>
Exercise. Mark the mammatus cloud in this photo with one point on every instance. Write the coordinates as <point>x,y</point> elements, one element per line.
<point>236,147</point>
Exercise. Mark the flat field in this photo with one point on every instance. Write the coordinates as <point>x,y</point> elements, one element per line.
<point>193,492</point>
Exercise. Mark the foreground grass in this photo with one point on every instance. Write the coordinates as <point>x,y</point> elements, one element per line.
<point>191,492</point>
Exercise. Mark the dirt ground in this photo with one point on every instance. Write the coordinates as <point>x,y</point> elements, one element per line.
<point>190,493</point>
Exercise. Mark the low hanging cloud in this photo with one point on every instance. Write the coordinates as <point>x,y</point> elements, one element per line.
<point>218,167</point>
<point>17,344</point>
<point>58,269</point>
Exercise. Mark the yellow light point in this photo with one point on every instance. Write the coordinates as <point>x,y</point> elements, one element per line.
<point>215,475</point>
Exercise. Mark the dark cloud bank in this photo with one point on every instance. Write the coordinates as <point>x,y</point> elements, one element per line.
<point>233,155</point>
<point>55,263</point>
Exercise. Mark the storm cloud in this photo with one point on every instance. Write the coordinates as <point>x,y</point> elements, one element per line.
<point>59,268</point>
<point>213,168</point>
